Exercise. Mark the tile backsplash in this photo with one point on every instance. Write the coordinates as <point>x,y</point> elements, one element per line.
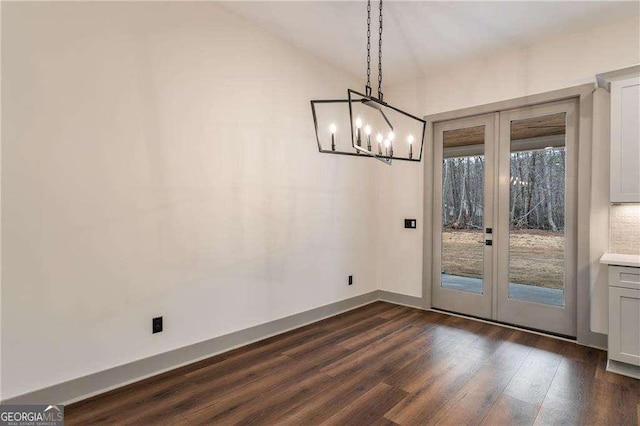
<point>625,229</point>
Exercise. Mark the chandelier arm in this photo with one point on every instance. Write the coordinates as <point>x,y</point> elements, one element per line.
<point>380,55</point>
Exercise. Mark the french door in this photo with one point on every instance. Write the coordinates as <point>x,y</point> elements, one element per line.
<point>463,217</point>
<point>504,216</point>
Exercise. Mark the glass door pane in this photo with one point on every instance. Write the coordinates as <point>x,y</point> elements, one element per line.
<point>537,209</point>
<point>463,180</point>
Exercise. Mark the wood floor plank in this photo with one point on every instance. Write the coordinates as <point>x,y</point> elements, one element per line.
<point>270,407</point>
<point>368,337</point>
<point>129,400</point>
<point>212,406</point>
<point>568,396</point>
<point>323,357</point>
<point>440,385</point>
<point>582,353</point>
<point>151,414</point>
<point>508,411</point>
<point>492,337</point>
<point>256,354</point>
<point>148,411</point>
<point>325,405</point>
<point>413,376</point>
<point>460,332</point>
<point>209,394</point>
<point>396,311</point>
<point>222,378</point>
<point>335,337</point>
<point>609,404</point>
<point>426,367</point>
<point>572,380</point>
<point>352,317</point>
<point>478,395</point>
<point>381,364</point>
<point>472,402</point>
<point>393,359</point>
<point>396,358</point>
<point>552,345</point>
<point>383,421</point>
<point>362,377</point>
<point>252,408</point>
<point>533,379</point>
<point>559,412</point>
<point>434,358</point>
<point>372,352</point>
<point>369,408</point>
<point>624,381</point>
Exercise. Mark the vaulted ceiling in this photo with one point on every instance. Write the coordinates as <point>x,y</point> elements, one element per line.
<point>422,35</point>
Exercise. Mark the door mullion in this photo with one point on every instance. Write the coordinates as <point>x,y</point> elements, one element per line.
<point>496,220</point>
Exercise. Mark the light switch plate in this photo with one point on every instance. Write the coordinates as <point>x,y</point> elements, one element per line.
<point>410,223</point>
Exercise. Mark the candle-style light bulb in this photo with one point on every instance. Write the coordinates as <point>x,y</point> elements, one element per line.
<point>387,144</point>
<point>367,131</point>
<point>358,136</point>
<point>332,129</point>
<point>390,137</point>
<point>358,122</point>
<point>410,140</point>
<point>379,139</point>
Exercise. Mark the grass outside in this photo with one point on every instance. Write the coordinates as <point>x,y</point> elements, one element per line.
<point>536,257</point>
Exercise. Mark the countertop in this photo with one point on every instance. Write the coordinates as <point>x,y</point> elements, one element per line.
<point>632,260</point>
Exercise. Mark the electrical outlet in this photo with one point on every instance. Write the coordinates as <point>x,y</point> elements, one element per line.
<point>350,279</point>
<point>156,325</point>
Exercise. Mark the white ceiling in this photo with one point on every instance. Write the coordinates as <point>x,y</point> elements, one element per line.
<point>420,35</point>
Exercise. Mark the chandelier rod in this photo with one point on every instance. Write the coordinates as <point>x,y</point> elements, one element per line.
<point>367,88</point>
<point>380,19</point>
<point>380,55</point>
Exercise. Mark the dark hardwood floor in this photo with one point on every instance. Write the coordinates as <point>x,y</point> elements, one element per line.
<point>382,364</point>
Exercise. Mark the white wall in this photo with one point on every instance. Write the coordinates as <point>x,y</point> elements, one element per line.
<point>555,63</point>
<point>160,159</point>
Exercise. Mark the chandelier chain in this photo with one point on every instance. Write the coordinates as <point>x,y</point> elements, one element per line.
<point>368,87</point>
<point>380,55</point>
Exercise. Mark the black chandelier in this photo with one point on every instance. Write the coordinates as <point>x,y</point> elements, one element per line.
<point>377,129</point>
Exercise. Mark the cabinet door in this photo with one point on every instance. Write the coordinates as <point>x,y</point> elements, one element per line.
<point>624,325</point>
<point>625,140</point>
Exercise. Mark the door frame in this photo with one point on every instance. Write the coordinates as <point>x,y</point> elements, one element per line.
<point>585,259</point>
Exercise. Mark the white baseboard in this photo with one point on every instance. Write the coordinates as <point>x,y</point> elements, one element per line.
<point>84,387</point>
<point>623,369</point>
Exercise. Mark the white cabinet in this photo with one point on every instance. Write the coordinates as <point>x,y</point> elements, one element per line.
<point>625,140</point>
<point>624,317</point>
